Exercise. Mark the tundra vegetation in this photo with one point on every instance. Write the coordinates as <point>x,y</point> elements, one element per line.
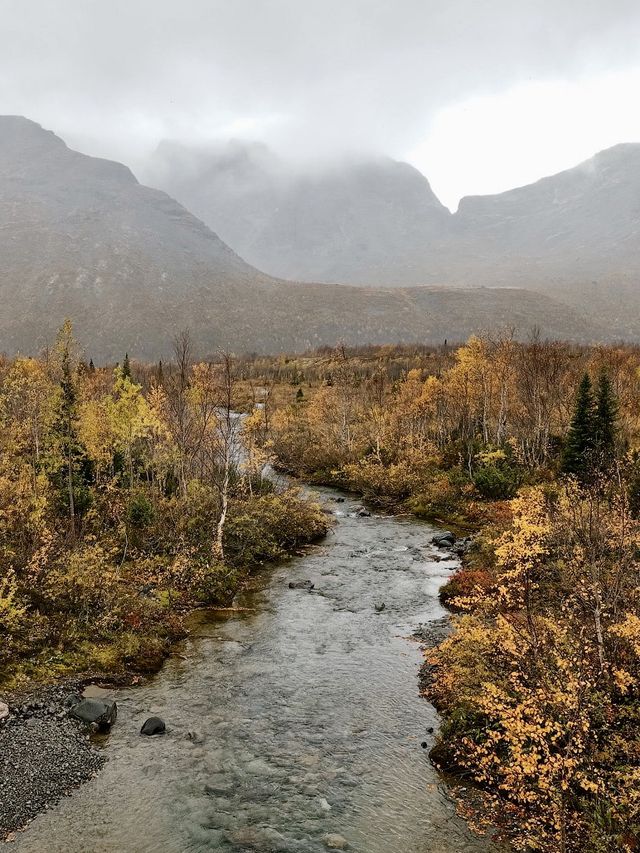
<point>123,503</point>
<point>536,447</point>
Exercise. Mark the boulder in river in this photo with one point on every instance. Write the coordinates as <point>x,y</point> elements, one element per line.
<point>336,842</point>
<point>96,711</point>
<point>301,585</point>
<point>363,513</point>
<point>153,726</point>
<point>443,540</point>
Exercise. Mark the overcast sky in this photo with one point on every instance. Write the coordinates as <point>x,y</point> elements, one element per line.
<point>481,95</point>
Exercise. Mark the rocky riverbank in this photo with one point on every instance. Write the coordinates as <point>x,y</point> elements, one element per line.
<point>44,754</point>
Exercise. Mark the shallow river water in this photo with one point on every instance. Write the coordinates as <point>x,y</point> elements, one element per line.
<point>304,716</point>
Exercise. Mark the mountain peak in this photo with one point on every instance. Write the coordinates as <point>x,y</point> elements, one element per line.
<point>26,144</point>
<point>18,130</point>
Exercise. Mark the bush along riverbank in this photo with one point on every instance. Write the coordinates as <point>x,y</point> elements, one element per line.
<point>123,504</point>
<point>538,681</point>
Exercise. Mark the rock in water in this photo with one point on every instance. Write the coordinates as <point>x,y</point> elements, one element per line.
<point>335,841</point>
<point>301,585</point>
<point>89,711</point>
<point>443,540</point>
<point>153,726</point>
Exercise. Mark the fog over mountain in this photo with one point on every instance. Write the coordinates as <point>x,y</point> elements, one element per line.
<point>377,222</point>
<point>80,237</point>
<point>320,78</point>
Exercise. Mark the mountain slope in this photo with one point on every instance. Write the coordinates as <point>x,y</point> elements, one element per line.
<point>80,237</point>
<point>574,234</point>
<point>356,221</point>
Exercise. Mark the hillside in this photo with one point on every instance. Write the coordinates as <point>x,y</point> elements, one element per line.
<point>80,237</point>
<point>355,221</point>
<point>377,222</point>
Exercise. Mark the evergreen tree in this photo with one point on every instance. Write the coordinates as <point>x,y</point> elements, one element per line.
<point>160,373</point>
<point>68,402</point>
<point>126,367</point>
<point>92,368</point>
<point>606,422</point>
<point>578,457</point>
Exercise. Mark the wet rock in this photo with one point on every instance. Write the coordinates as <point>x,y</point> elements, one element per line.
<point>462,546</point>
<point>153,726</point>
<point>219,787</point>
<point>194,737</point>
<point>443,540</point>
<point>338,500</point>
<point>363,513</point>
<point>301,585</point>
<point>4,712</point>
<point>72,700</point>
<point>379,607</point>
<point>432,633</point>
<point>336,842</point>
<point>95,711</point>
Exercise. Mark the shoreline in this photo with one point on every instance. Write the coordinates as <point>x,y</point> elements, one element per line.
<point>45,754</point>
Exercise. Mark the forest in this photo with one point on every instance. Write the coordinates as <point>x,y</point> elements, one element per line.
<point>533,448</point>
<point>130,494</point>
<point>125,502</point>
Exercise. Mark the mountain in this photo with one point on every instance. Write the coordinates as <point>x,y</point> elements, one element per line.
<point>377,222</point>
<point>352,221</point>
<point>81,238</point>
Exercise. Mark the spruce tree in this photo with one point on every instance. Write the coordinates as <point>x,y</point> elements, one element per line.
<point>68,401</point>
<point>126,367</point>
<point>606,426</point>
<point>578,457</point>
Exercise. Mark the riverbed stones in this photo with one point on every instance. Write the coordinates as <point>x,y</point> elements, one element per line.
<point>334,841</point>
<point>96,712</point>
<point>301,585</point>
<point>4,712</point>
<point>43,756</point>
<point>443,540</point>
<point>153,726</point>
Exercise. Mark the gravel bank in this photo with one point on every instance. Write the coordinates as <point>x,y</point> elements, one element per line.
<point>44,755</point>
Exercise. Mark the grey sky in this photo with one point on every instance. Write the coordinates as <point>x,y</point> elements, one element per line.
<point>311,77</point>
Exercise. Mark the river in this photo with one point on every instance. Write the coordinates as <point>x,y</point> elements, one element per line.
<point>288,722</point>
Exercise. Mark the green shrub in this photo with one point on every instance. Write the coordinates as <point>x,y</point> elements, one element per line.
<point>140,511</point>
<point>496,482</point>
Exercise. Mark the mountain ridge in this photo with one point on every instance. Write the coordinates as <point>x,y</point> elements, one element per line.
<point>80,237</point>
<point>561,235</point>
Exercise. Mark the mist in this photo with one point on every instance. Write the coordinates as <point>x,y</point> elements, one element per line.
<point>313,80</point>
